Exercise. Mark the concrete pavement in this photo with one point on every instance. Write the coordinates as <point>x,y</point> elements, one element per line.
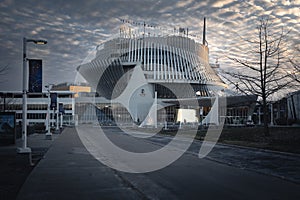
<point>279,164</point>
<point>68,171</point>
<point>15,168</point>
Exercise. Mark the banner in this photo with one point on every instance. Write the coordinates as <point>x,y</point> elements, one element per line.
<point>53,97</point>
<point>35,76</point>
<point>61,108</point>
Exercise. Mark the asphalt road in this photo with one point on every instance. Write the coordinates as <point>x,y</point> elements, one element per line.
<point>218,176</point>
<point>69,171</point>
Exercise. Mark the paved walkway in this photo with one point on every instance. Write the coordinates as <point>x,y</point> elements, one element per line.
<point>275,163</point>
<point>15,168</point>
<point>70,172</point>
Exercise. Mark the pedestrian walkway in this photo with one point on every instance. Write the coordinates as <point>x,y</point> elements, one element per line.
<point>68,171</point>
<point>14,167</point>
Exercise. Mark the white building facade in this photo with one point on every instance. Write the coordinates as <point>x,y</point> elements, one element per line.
<point>135,70</point>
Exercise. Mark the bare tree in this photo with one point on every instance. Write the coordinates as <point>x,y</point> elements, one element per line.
<point>296,64</point>
<point>264,72</point>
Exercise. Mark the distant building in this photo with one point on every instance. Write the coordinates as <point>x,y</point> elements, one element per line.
<point>37,105</point>
<point>285,111</point>
<point>72,87</point>
<point>293,106</point>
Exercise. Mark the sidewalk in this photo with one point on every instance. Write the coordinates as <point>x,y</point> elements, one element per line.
<point>14,167</point>
<point>70,172</point>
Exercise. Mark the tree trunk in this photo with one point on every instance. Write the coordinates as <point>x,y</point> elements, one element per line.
<point>266,119</point>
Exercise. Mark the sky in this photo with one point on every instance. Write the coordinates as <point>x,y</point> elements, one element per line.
<point>74,28</point>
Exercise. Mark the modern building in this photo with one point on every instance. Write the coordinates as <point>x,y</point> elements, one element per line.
<point>286,111</point>
<point>144,66</point>
<point>37,106</point>
<point>72,87</point>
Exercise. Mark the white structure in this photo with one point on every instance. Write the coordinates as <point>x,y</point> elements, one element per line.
<point>141,61</point>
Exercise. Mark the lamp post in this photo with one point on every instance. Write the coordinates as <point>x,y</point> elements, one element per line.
<point>57,114</point>
<point>24,148</point>
<point>48,133</point>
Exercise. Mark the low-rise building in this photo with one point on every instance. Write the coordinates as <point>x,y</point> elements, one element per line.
<point>37,106</point>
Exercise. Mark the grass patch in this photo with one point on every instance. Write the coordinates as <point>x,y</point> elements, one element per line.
<point>285,139</point>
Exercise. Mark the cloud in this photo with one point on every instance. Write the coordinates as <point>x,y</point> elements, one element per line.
<point>221,3</point>
<point>183,3</point>
<point>74,28</point>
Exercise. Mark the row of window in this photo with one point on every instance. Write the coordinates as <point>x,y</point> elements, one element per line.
<point>37,115</point>
<point>13,107</point>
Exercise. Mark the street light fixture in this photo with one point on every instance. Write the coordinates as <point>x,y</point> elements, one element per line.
<point>24,148</point>
<point>35,41</point>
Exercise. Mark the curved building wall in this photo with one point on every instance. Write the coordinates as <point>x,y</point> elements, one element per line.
<point>169,66</point>
<point>167,59</point>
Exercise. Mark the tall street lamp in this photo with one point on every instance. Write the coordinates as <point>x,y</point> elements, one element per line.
<point>48,133</point>
<point>24,148</point>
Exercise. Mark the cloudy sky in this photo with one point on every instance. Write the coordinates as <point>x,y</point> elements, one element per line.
<point>74,28</point>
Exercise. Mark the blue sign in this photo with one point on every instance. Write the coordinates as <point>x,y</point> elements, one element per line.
<point>61,108</point>
<point>53,97</point>
<point>35,76</point>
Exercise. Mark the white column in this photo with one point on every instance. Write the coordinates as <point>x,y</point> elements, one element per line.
<point>184,64</point>
<point>168,63</point>
<point>144,54</point>
<point>155,103</point>
<point>138,50</point>
<point>129,51</point>
<point>191,70</point>
<point>48,133</point>
<point>151,56</point>
<point>148,54</point>
<point>158,61</point>
<point>181,63</point>
<point>154,61</point>
<point>135,50</point>
<point>163,71</point>
<point>73,106</point>
<point>24,148</point>
<point>57,113</point>
<point>165,61</point>
<point>160,76</point>
<point>175,66</point>
<point>73,111</point>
